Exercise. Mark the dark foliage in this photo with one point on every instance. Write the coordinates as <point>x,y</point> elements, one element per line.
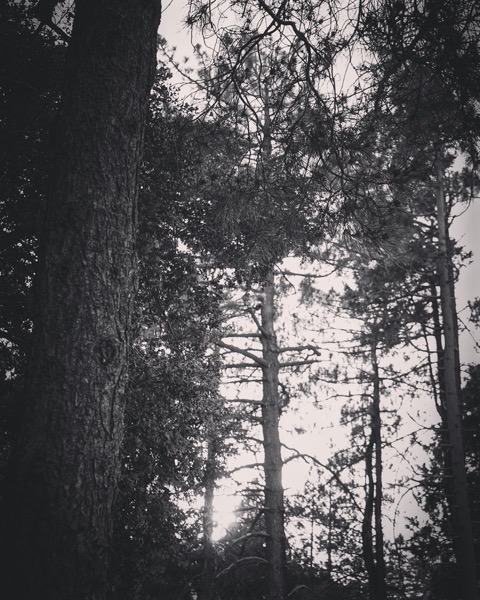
<point>30,81</point>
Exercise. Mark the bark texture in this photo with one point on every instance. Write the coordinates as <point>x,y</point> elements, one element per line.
<point>273,464</point>
<point>463,537</point>
<point>67,460</point>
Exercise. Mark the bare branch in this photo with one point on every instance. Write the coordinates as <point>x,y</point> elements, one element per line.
<point>335,475</point>
<point>242,335</point>
<point>314,349</point>
<point>299,363</point>
<point>246,401</point>
<point>308,275</point>
<point>258,359</point>
<point>242,467</point>
<point>257,322</point>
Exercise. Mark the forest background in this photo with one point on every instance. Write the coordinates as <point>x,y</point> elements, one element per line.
<point>160,350</point>
<point>179,54</point>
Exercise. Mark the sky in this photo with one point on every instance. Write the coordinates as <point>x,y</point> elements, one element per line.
<point>465,229</point>
<point>319,425</point>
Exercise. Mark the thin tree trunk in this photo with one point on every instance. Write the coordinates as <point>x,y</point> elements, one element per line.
<point>380,571</point>
<point>329,565</point>
<point>271,409</point>
<point>451,281</point>
<point>440,406</point>
<point>367,521</point>
<point>437,334</point>
<point>274,504</point>
<point>68,456</point>
<point>372,526</point>
<point>209,553</point>
<point>312,538</point>
<point>463,538</point>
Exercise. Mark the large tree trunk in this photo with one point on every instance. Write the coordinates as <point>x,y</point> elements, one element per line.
<point>274,503</point>
<point>67,459</point>
<point>463,538</point>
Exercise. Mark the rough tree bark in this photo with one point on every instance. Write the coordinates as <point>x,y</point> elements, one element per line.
<point>67,460</point>
<point>273,464</point>
<point>463,537</point>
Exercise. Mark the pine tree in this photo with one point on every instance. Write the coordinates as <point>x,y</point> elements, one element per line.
<point>67,457</point>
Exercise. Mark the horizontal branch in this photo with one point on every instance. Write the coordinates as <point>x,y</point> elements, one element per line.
<point>309,275</point>
<point>310,347</point>
<point>240,366</point>
<point>250,466</point>
<point>240,380</point>
<point>241,335</point>
<point>258,359</point>
<point>245,400</point>
<point>299,363</point>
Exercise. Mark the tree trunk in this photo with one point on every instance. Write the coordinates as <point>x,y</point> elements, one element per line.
<point>367,521</point>
<point>274,507</point>
<point>67,460</point>
<point>372,526</point>
<point>330,525</point>
<point>463,538</point>
<point>451,281</point>
<point>209,553</point>
<point>380,572</point>
<point>440,406</point>
<point>437,335</point>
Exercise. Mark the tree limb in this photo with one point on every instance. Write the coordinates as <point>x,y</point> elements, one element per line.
<point>258,359</point>
<point>240,561</point>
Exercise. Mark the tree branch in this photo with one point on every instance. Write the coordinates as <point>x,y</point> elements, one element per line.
<point>299,363</point>
<point>314,349</point>
<point>242,335</point>
<point>240,561</point>
<point>241,366</point>
<point>258,359</point>
<point>335,475</point>
<point>245,401</point>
